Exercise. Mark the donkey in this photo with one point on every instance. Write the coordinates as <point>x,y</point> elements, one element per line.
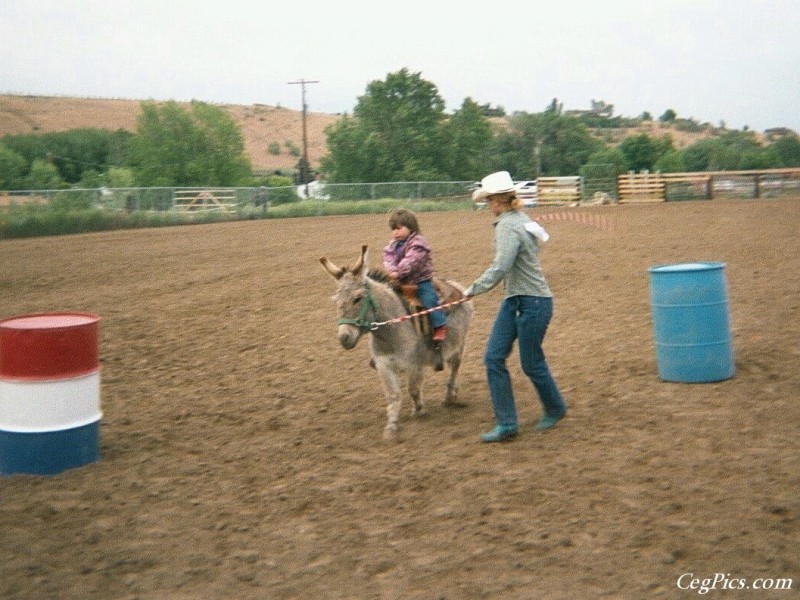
<point>396,347</point>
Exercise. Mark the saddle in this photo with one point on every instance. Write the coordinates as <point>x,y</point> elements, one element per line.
<point>446,291</point>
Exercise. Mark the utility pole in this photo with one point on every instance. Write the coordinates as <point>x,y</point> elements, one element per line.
<point>304,163</point>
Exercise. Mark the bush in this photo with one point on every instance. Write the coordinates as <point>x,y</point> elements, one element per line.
<point>292,148</point>
<point>73,200</point>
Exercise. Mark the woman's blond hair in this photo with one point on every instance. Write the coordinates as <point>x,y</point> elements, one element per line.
<point>509,198</point>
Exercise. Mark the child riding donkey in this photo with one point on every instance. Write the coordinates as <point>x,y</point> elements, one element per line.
<point>409,261</point>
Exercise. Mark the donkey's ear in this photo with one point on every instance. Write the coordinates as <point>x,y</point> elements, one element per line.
<point>361,265</point>
<point>336,272</point>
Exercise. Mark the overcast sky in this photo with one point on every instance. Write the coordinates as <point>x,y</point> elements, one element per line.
<point>736,61</point>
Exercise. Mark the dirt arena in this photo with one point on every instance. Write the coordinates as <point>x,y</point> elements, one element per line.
<point>241,446</point>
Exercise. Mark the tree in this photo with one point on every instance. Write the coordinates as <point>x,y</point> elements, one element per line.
<point>698,156</point>
<point>565,143</point>
<point>12,165</point>
<point>42,176</point>
<point>79,150</point>
<point>670,162</point>
<point>641,152</point>
<point>669,116</point>
<point>465,140</point>
<point>173,146</point>
<point>120,177</point>
<point>788,149</point>
<point>763,158</point>
<point>609,156</point>
<point>394,133</point>
<point>74,151</point>
<point>547,143</point>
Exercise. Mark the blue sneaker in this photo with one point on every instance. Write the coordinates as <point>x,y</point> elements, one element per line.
<point>548,422</point>
<point>500,433</point>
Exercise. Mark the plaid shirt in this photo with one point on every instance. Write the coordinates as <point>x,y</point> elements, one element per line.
<point>516,260</point>
<point>411,259</point>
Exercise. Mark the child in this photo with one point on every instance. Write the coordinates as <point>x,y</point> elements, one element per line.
<point>409,259</point>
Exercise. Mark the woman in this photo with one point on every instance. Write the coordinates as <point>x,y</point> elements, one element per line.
<point>524,313</point>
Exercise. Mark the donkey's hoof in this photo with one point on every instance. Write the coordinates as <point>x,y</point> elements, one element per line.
<point>391,433</point>
<point>454,403</point>
<point>419,412</point>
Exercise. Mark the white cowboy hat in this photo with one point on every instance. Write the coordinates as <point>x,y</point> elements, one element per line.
<point>496,183</point>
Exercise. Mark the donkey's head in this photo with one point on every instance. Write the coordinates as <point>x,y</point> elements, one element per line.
<point>354,301</point>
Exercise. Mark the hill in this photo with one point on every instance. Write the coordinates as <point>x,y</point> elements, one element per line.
<point>262,125</point>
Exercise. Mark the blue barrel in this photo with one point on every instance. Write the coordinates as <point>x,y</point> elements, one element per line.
<point>691,322</point>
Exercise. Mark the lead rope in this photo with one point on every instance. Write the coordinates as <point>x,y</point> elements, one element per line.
<point>376,324</point>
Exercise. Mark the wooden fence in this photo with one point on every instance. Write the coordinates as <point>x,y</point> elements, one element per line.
<point>558,190</point>
<point>655,187</point>
<point>223,200</point>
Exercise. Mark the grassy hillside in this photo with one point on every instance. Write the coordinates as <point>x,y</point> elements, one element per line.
<point>262,125</point>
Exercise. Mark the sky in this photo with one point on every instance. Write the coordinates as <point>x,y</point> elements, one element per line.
<point>735,62</point>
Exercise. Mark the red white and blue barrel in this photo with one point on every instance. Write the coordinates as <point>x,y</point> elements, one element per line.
<point>49,392</point>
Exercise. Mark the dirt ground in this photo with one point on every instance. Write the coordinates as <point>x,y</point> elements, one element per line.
<point>241,446</point>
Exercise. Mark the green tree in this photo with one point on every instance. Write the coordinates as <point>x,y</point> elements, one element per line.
<point>79,150</point>
<point>547,143</point>
<point>670,162</point>
<point>669,116</point>
<point>465,140</point>
<point>609,156</point>
<point>12,166</point>
<point>763,158</point>
<point>697,157</point>
<point>220,143</point>
<point>75,151</point>
<point>788,149</point>
<point>173,146</point>
<point>641,152</point>
<point>394,133</point>
<point>565,144</point>
<point>91,179</point>
<point>42,176</point>
<point>120,177</point>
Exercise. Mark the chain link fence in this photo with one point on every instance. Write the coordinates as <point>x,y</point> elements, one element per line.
<point>599,178</point>
<point>208,198</point>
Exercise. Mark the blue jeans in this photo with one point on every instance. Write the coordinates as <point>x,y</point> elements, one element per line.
<point>427,295</point>
<point>523,318</point>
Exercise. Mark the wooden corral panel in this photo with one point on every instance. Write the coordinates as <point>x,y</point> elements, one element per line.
<point>203,200</point>
<point>652,187</point>
<point>641,187</point>
<point>559,190</point>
